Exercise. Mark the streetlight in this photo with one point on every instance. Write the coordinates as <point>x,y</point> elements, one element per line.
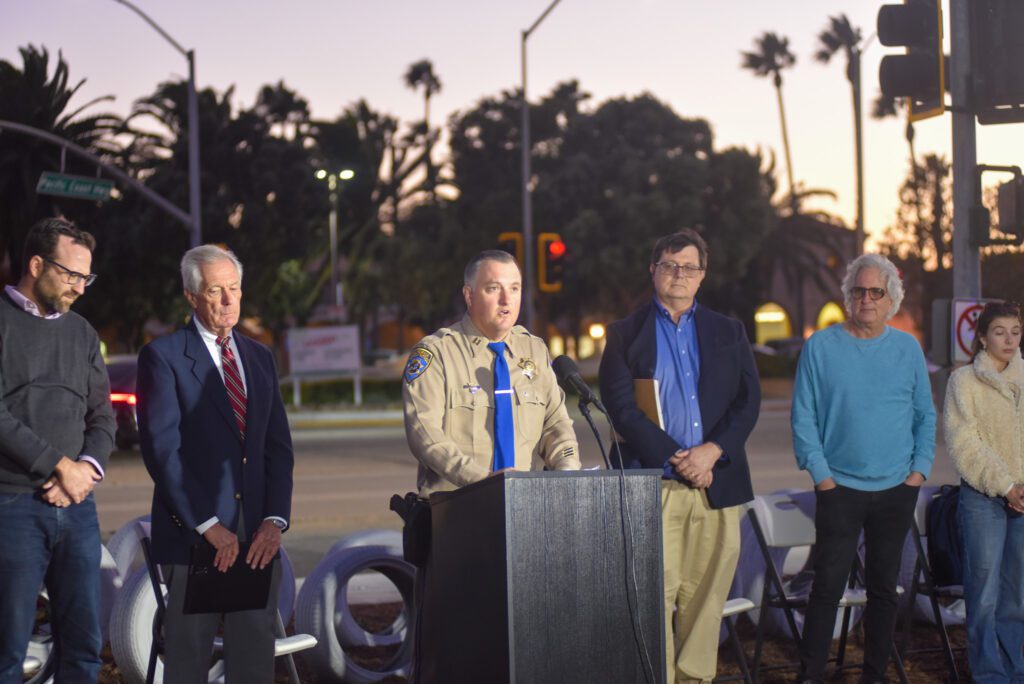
<point>528,251</point>
<point>332,185</point>
<point>196,232</point>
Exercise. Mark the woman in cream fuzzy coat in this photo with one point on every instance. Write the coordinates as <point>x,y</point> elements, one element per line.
<point>984,429</point>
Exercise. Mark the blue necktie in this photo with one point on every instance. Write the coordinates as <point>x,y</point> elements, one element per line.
<point>504,431</point>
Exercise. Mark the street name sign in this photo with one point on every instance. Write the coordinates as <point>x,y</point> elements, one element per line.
<point>77,187</point>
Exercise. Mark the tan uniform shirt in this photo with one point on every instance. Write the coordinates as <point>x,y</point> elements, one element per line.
<point>448,397</point>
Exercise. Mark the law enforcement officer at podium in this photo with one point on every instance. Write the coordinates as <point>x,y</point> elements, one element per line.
<point>480,396</point>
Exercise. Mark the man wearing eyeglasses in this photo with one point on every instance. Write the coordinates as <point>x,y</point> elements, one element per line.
<point>56,433</point>
<point>864,429</point>
<point>706,383</point>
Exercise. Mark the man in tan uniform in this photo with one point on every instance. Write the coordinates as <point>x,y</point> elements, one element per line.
<point>449,390</point>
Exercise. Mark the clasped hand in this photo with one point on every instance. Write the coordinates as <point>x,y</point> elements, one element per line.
<point>1015,497</point>
<point>696,465</point>
<point>71,482</point>
<point>262,550</point>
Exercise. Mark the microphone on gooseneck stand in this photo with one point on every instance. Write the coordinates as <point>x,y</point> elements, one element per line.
<point>568,374</point>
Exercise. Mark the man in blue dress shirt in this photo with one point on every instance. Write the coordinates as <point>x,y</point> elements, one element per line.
<point>710,397</point>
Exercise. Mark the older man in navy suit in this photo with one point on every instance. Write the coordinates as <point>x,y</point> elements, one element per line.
<point>710,396</point>
<point>215,440</point>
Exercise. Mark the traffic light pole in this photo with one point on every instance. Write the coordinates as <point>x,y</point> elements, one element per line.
<point>966,257</point>
<point>529,256</point>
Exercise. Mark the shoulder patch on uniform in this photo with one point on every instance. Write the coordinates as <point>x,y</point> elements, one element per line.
<point>419,359</point>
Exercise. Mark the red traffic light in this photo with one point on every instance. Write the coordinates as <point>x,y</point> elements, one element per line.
<point>556,249</point>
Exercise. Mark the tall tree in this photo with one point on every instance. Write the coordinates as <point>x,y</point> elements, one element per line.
<point>34,96</point>
<point>769,58</point>
<point>920,241</point>
<point>610,180</point>
<point>841,36</point>
<point>259,198</point>
<point>421,75</point>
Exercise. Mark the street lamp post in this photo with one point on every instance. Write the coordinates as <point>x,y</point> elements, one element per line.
<point>332,224</point>
<point>529,284</point>
<point>196,230</point>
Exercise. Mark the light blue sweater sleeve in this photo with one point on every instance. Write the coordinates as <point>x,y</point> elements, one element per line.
<point>924,421</point>
<point>804,420</point>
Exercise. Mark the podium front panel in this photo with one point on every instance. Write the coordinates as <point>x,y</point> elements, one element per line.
<point>531,573</point>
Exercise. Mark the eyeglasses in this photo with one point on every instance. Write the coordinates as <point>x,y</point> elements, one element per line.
<point>875,293</point>
<point>670,268</point>
<point>72,277</point>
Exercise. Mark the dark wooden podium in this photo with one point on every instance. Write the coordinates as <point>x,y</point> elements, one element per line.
<point>528,580</point>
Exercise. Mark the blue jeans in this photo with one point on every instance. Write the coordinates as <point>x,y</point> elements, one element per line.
<point>58,547</point>
<point>993,548</point>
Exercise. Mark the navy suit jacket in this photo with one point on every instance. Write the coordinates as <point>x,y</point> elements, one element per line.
<point>200,465</point>
<point>729,395</point>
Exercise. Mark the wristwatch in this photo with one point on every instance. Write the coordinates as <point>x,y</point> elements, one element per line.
<point>279,524</point>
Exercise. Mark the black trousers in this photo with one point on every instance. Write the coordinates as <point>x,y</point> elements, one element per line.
<point>840,515</point>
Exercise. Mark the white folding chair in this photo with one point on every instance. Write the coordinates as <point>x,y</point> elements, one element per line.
<point>785,521</point>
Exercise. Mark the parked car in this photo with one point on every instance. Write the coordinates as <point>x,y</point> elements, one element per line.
<point>121,369</point>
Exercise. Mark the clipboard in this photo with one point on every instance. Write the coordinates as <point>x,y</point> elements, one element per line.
<point>209,590</point>
<point>648,400</point>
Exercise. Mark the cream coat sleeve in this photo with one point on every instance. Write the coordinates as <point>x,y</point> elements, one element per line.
<point>975,459</point>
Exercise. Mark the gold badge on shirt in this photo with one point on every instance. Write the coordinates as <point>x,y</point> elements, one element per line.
<point>528,368</point>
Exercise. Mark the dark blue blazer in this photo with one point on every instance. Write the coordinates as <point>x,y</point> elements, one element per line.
<point>200,465</point>
<point>729,395</point>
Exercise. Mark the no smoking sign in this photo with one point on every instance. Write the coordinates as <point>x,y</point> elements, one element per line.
<point>965,320</point>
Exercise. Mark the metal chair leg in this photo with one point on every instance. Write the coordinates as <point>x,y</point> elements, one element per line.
<point>898,662</point>
<point>293,673</point>
<point>741,658</point>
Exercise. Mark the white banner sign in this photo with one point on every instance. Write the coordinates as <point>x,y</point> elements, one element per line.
<point>319,350</point>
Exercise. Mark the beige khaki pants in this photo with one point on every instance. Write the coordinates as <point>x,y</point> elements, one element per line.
<point>701,546</point>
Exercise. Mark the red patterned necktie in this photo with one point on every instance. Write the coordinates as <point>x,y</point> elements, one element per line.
<point>233,382</point>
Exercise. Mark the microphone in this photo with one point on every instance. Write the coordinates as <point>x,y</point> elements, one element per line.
<point>568,373</point>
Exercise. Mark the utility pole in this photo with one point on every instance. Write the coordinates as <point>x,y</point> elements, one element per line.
<point>966,257</point>
<point>194,200</point>
<point>529,253</point>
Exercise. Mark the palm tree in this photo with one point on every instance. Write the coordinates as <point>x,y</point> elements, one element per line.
<point>886,107</point>
<point>421,73</point>
<point>841,36</point>
<point>770,57</point>
<point>34,97</point>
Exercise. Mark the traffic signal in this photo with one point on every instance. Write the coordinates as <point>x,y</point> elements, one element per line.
<point>551,258</point>
<point>920,74</point>
<point>512,242</point>
<point>1009,204</point>
<point>997,60</point>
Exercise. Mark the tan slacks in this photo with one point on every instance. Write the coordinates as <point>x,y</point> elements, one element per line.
<point>702,547</point>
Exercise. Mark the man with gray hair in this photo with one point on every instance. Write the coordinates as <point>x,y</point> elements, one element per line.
<point>864,429</point>
<point>215,439</point>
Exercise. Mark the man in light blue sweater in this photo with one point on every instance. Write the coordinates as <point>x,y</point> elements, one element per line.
<point>864,428</point>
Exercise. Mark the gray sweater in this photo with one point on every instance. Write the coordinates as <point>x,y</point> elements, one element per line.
<point>54,396</point>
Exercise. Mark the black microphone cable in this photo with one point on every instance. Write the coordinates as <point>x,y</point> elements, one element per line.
<point>567,371</point>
